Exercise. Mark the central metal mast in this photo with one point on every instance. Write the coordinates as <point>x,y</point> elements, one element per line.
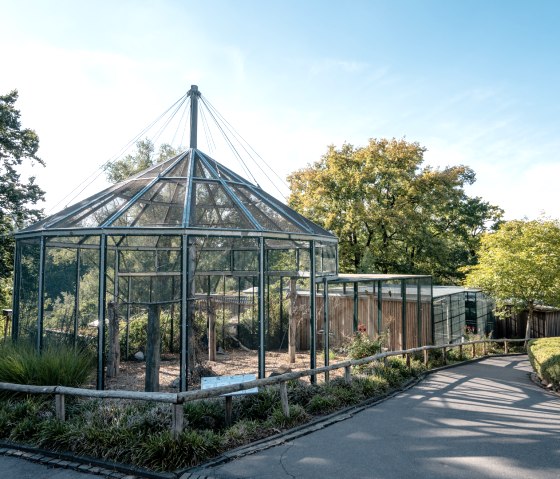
<point>194,94</point>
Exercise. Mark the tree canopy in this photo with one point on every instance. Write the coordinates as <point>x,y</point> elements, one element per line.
<point>391,214</point>
<point>17,197</point>
<point>144,157</point>
<point>519,265</point>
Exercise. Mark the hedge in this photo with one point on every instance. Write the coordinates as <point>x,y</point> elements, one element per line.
<point>544,354</point>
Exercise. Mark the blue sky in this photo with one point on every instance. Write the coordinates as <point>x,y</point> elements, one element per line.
<point>475,82</point>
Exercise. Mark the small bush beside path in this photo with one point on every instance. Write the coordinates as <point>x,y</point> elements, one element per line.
<point>544,354</point>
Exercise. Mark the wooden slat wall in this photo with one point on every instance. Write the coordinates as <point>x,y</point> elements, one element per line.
<point>341,314</point>
<point>546,324</point>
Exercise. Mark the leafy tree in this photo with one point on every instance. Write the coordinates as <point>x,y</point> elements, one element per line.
<point>391,214</point>
<point>17,198</point>
<point>519,266</point>
<point>144,157</point>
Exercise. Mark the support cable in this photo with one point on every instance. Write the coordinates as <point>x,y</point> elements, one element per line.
<point>245,145</point>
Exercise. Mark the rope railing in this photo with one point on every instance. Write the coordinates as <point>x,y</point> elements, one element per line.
<point>176,400</point>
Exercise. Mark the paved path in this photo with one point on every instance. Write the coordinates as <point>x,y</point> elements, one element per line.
<point>17,468</point>
<point>481,420</point>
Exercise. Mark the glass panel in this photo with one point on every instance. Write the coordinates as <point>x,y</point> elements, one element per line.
<point>213,208</point>
<point>97,214</point>
<point>200,171</point>
<point>181,170</point>
<point>59,295</point>
<point>158,169</point>
<point>268,217</point>
<point>29,284</point>
<point>161,205</point>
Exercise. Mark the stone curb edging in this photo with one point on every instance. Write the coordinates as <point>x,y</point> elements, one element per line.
<point>63,460</point>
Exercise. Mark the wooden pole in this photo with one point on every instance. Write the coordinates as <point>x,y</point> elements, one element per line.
<point>292,326</point>
<point>229,409</point>
<point>177,424</point>
<point>284,399</point>
<point>153,348</point>
<point>59,407</point>
<point>114,348</point>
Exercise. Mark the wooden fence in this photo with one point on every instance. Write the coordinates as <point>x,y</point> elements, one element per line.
<point>341,320</point>
<point>176,400</point>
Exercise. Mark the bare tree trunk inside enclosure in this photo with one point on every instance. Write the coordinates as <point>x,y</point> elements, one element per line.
<point>153,348</point>
<point>292,326</point>
<point>114,353</point>
<point>211,332</point>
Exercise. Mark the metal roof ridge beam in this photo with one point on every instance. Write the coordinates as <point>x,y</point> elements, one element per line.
<point>187,204</point>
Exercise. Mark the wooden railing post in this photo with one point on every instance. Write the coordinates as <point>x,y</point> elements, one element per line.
<point>59,407</point>
<point>474,351</point>
<point>444,349</point>
<point>460,351</point>
<point>426,357</point>
<point>229,409</point>
<point>506,349</point>
<point>407,360</point>
<point>177,420</point>
<point>284,399</point>
<point>348,374</point>
<point>484,348</point>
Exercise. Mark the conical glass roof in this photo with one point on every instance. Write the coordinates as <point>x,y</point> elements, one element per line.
<point>189,191</point>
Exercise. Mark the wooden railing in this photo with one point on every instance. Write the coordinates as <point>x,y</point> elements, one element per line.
<point>176,400</point>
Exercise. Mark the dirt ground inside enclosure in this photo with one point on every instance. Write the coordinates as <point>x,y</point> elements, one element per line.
<point>132,373</point>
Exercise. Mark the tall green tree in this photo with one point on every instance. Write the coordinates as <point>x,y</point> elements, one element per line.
<point>144,157</point>
<point>391,213</point>
<point>17,198</point>
<point>519,266</point>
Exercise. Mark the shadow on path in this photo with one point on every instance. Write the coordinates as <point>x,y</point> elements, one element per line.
<point>481,420</point>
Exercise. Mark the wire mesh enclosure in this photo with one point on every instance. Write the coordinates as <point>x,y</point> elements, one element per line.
<point>175,266</point>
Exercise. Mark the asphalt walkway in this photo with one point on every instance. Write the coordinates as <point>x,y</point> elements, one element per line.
<point>480,420</point>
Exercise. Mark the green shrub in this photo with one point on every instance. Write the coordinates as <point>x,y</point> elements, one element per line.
<point>242,432</point>
<point>257,406</point>
<point>20,363</point>
<point>206,414</point>
<point>322,404</point>
<point>362,346</point>
<point>544,354</point>
<point>298,415</point>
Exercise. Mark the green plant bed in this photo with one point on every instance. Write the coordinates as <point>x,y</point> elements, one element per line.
<point>138,433</point>
<point>544,354</point>
<point>58,364</point>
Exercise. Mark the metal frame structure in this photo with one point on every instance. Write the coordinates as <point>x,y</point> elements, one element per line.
<point>169,223</point>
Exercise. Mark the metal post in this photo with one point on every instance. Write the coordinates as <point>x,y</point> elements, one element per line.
<point>281,308</point>
<point>16,292</point>
<point>194,94</point>
<point>419,337</point>
<point>41,296</point>
<point>128,298</point>
<point>403,306</point>
<point>312,307</point>
<point>379,308</point>
<point>77,297</point>
<point>326,326</point>
<point>355,315</point>
<point>184,306</point>
<point>101,313</point>
<point>262,367</point>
